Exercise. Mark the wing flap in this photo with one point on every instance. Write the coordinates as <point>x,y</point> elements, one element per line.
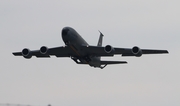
<point>127,54</point>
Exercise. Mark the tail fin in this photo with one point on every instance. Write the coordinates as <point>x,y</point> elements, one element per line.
<point>100,39</point>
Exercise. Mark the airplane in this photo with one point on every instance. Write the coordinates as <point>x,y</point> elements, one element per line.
<point>82,53</point>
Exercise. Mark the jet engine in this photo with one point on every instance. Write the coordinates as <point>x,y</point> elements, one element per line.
<point>137,51</point>
<point>109,49</point>
<point>44,50</point>
<point>26,53</point>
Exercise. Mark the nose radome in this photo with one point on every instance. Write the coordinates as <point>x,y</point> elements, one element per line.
<point>65,31</point>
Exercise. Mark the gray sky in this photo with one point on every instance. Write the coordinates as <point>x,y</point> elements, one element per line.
<point>149,80</point>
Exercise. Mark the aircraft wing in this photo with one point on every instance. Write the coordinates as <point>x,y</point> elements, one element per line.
<point>146,51</point>
<point>56,51</point>
<point>100,51</point>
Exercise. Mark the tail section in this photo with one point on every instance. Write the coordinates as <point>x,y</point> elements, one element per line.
<point>100,39</point>
<point>100,43</point>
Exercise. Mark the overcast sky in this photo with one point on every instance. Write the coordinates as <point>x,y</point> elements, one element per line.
<point>151,80</point>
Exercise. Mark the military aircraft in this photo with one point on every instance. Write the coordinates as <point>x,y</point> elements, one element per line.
<point>82,53</point>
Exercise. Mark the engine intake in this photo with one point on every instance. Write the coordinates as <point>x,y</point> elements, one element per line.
<point>109,49</point>
<point>26,53</point>
<point>137,51</point>
<point>44,50</point>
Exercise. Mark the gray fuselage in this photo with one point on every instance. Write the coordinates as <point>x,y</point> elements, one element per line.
<point>72,39</point>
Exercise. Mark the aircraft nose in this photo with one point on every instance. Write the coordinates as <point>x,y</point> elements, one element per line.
<point>65,31</point>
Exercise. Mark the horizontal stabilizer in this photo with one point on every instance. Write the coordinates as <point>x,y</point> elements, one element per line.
<point>113,62</point>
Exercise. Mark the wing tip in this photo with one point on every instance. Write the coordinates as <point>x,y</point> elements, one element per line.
<point>14,54</point>
<point>17,53</point>
<point>167,51</point>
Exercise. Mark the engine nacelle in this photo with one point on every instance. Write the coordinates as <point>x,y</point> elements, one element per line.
<point>26,53</point>
<point>109,49</point>
<point>137,51</point>
<point>44,50</point>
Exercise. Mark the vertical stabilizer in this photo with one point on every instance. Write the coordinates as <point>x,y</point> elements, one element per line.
<point>100,39</point>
